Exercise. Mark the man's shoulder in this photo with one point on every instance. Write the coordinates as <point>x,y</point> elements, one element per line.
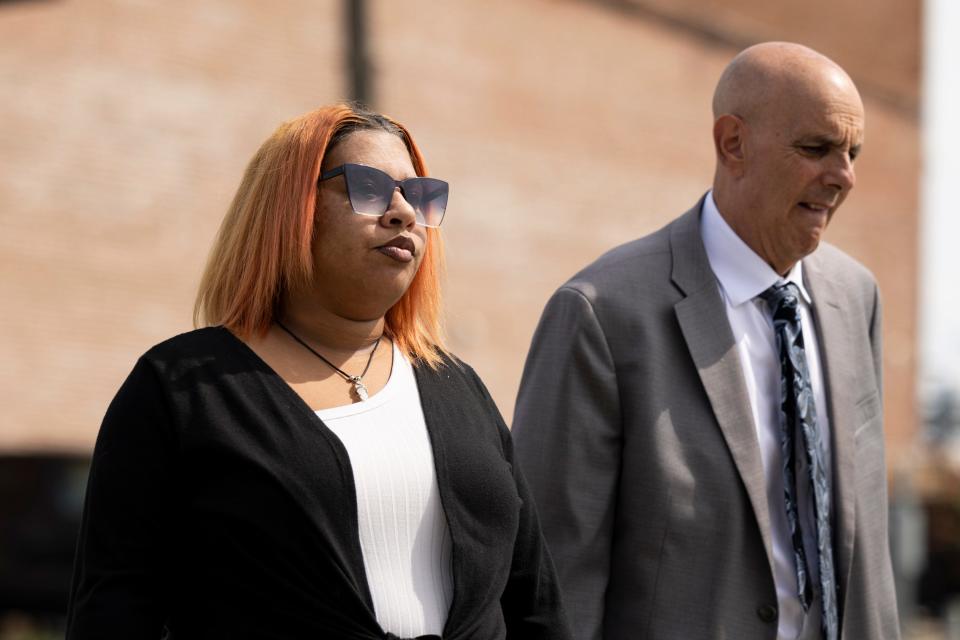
<point>841,268</point>
<point>643,263</point>
<point>653,247</point>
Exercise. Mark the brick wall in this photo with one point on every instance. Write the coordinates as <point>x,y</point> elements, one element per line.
<point>564,127</point>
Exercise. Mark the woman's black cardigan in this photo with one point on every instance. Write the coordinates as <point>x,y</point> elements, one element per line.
<point>220,506</point>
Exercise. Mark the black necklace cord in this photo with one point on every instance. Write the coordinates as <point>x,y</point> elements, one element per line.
<point>346,376</point>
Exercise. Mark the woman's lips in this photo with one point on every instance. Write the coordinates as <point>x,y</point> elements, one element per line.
<point>400,249</point>
<point>397,253</point>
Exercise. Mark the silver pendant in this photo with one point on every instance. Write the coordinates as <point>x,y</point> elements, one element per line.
<point>360,388</point>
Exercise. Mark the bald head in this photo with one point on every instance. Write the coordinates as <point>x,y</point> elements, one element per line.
<point>763,77</point>
<point>788,125</point>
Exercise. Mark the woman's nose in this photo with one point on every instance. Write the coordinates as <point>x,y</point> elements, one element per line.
<point>399,213</point>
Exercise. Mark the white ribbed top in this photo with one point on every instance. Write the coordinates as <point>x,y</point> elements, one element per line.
<point>403,530</point>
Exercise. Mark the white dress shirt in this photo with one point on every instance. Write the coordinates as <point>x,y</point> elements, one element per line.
<point>403,529</point>
<point>742,276</point>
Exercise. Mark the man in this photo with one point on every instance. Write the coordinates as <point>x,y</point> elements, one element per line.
<point>700,412</point>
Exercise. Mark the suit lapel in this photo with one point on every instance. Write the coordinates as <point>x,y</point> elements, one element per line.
<point>703,321</point>
<point>839,373</point>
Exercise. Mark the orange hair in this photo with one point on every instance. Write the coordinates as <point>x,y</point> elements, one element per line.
<point>263,248</point>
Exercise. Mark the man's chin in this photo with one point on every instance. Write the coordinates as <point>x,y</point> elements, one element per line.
<point>810,246</point>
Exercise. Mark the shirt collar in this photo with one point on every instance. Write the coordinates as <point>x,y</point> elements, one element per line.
<point>742,274</point>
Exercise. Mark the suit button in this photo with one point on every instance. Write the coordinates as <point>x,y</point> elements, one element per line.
<point>767,613</point>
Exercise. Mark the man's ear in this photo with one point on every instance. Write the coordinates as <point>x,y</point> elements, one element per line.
<point>728,140</point>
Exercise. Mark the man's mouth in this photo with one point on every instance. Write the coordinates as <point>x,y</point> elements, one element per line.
<point>816,207</point>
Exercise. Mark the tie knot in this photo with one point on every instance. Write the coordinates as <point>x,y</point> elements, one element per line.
<point>782,299</point>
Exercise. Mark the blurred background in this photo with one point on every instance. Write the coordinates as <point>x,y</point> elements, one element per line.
<point>565,127</point>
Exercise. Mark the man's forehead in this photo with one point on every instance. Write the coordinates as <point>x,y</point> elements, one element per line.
<point>839,127</point>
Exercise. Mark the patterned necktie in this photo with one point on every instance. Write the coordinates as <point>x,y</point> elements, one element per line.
<point>798,414</point>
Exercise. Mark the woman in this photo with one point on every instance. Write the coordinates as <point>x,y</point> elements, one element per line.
<point>314,464</point>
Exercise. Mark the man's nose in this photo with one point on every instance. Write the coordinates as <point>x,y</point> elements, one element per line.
<point>840,174</point>
<point>399,213</point>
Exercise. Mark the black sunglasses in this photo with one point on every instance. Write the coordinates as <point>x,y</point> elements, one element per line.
<point>371,190</point>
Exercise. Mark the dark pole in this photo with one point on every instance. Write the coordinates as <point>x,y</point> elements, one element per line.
<point>358,65</point>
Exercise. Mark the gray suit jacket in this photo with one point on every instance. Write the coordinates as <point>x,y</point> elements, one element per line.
<point>633,428</point>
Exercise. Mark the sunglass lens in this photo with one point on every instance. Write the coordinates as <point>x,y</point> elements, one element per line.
<point>370,189</point>
<point>428,197</point>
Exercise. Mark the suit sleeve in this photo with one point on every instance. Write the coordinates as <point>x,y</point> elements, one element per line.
<point>119,582</point>
<point>567,433</point>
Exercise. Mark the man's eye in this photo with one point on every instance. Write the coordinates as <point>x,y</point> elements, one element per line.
<point>818,150</point>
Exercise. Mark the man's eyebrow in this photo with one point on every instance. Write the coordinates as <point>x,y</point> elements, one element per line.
<point>825,140</point>
<point>820,140</point>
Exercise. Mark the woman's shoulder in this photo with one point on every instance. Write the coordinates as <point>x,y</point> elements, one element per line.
<point>452,378</point>
<point>192,362</point>
<point>449,368</point>
<point>197,349</point>
<point>192,343</point>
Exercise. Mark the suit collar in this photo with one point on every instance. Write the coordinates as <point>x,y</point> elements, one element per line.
<point>690,270</point>
<point>703,322</point>
<point>742,273</point>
